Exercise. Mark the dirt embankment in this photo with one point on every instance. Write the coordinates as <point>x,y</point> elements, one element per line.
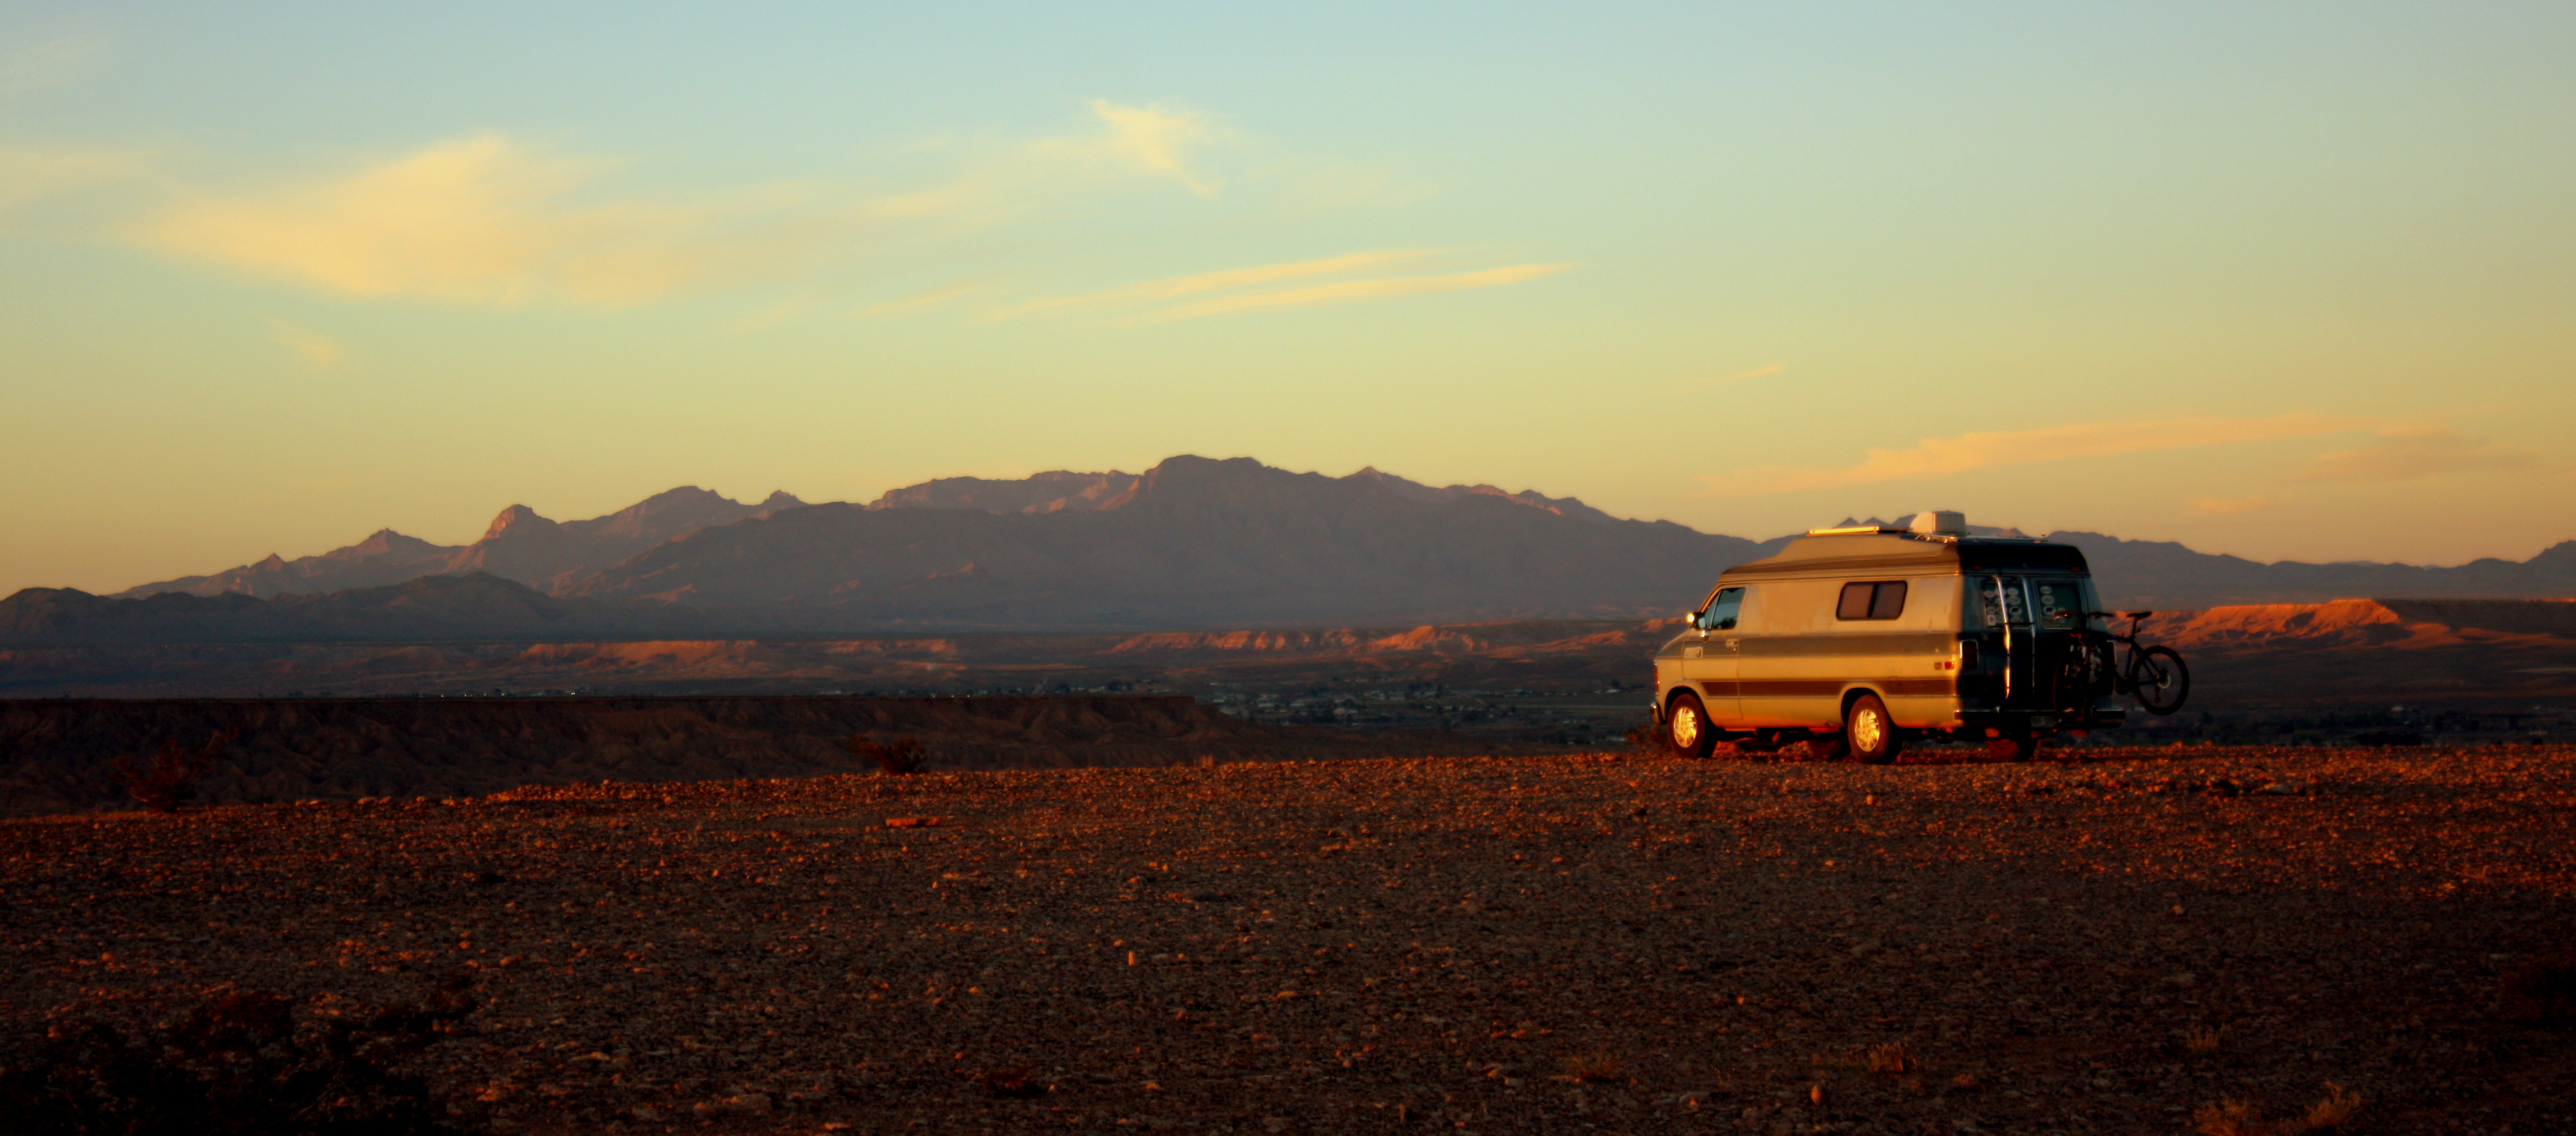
<point>59,754</point>
<point>1536,945</point>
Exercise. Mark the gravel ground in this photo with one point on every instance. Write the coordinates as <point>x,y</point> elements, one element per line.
<point>1546,944</point>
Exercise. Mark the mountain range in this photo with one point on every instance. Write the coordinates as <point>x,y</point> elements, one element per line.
<point>1190,543</point>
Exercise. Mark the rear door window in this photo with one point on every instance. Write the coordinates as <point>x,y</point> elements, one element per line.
<point>2059,602</point>
<point>2052,603</point>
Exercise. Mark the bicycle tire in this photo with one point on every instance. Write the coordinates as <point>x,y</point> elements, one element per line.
<point>2161,680</point>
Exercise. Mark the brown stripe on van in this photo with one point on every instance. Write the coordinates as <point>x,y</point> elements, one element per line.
<point>1940,643</point>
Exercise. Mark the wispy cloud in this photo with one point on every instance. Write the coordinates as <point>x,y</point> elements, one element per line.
<point>27,176</point>
<point>318,351</point>
<point>49,64</point>
<point>920,302</point>
<point>1158,140</point>
<point>1713,380</point>
<point>2406,453</point>
<point>489,219</point>
<point>1343,291</point>
<point>1936,457</point>
<point>474,220</point>
<point>2229,506</point>
<point>1227,280</point>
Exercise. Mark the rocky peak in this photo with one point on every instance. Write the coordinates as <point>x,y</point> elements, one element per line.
<point>519,518</point>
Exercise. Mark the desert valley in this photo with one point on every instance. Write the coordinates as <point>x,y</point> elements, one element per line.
<point>1252,802</point>
<point>1845,569</point>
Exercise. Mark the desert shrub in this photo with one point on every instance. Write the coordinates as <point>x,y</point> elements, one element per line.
<point>2340,1107</point>
<point>1013,1083</point>
<point>237,1064</point>
<point>902,755</point>
<point>172,777</point>
<point>2337,1109</point>
<point>2542,991</point>
<point>1893,1057</point>
<point>2230,1118</point>
<point>1602,1066</point>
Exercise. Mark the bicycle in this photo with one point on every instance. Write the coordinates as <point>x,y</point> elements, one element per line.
<point>2155,676</point>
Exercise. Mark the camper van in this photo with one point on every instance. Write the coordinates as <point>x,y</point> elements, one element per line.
<point>1859,639</point>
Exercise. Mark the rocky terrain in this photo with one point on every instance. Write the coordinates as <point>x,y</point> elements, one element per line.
<point>2455,669</point>
<point>59,755</point>
<point>2149,941</point>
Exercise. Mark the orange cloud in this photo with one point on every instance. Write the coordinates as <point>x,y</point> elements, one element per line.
<point>1158,140</point>
<point>1221,281</point>
<point>2229,506</point>
<point>318,351</point>
<point>30,175</point>
<point>1937,457</point>
<point>488,219</point>
<point>1346,290</point>
<point>2406,453</point>
<point>1755,373</point>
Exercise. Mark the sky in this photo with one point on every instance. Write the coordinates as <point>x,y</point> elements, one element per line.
<point>2288,281</point>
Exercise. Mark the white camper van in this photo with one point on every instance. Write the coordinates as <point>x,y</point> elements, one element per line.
<point>1860,638</point>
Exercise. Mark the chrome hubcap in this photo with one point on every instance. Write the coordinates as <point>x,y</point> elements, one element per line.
<point>1867,731</point>
<point>1685,726</point>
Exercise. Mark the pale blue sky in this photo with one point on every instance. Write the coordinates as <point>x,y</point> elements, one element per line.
<point>2287,281</point>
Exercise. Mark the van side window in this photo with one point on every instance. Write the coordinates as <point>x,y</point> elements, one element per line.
<point>1879,599</point>
<point>1721,614</point>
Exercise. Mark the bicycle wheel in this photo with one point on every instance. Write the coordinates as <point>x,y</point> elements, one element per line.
<point>2083,677</point>
<point>2161,680</point>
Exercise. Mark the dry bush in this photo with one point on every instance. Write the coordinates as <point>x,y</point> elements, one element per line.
<point>172,777</point>
<point>238,1064</point>
<point>1602,1066</point>
<point>2230,1118</point>
<point>902,755</point>
<point>2340,1107</point>
<point>1893,1057</point>
<point>2542,991</point>
<point>1014,1083</point>
<point>2201,1041</point>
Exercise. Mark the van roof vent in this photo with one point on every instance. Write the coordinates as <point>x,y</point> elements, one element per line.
<point>1939,522</point>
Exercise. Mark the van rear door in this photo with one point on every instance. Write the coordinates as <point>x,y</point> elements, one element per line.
<point>2035,615</point>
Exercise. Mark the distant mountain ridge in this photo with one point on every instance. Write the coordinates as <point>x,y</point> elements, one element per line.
<point>519,545</point>
<point>1193,543</point>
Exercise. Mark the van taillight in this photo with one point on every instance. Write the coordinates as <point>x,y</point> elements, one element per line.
<point>1967,655</point>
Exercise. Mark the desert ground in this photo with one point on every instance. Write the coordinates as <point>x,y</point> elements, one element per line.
<point>2118,941</point>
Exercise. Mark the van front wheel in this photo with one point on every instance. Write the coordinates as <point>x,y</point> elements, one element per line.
<point>1686,726</point>
<point>1869,734</point>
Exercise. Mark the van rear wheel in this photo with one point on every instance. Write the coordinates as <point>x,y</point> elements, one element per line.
<point>1686,727</point>
<point>1869,734</point>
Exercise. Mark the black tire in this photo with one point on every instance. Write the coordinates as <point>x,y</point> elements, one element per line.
<point>1686,726</point>
<point>1870,735</point>
<point>2160,679</point>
